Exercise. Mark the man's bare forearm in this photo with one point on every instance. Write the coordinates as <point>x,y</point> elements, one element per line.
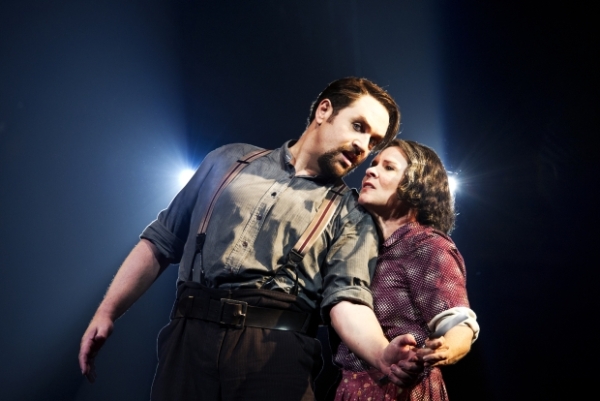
<point>138,272</point>
<point>136,275</point>
<point>359,329</point>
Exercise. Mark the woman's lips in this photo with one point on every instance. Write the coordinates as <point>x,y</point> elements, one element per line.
<point>367,185</point>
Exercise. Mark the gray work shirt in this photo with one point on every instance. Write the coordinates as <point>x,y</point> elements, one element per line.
<point>257,220</point>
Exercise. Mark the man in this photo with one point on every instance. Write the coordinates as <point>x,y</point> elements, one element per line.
<point>244,320</point>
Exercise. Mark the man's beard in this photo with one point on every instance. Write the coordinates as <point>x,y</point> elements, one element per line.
<point>330,168</point>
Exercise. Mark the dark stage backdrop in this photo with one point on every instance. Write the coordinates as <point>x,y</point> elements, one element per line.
<point>103,103</point>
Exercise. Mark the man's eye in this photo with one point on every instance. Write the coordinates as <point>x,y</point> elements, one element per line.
<point>357,127</point>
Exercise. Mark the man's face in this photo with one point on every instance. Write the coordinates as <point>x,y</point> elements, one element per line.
<point>346,139</point>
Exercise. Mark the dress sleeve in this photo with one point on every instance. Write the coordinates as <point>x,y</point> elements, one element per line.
<point>436,275</point>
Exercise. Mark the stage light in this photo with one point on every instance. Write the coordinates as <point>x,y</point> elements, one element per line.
<point>185,175</point>
<point>453,183</point>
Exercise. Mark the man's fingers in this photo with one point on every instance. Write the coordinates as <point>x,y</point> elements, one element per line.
<point>84,354</point>
<point>405,376</point>
<point>91,375</point>
<point>412,367</point>
<point>90,345</point>
<point>86,361</point>
<point>404,340</point>
<point>92,341</point>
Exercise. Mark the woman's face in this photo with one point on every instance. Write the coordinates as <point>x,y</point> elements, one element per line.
<point>380,184</point>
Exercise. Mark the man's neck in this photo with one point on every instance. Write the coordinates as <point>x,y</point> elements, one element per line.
<point>303,160</point>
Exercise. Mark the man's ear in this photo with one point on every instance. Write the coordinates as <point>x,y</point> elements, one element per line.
<point>324,111</point>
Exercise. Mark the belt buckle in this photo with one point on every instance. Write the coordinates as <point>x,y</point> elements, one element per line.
<point>240,308</point>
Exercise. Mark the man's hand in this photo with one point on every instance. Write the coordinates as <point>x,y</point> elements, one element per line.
<point>359,329</point>
<point>93,339</point>
<point>399,361</point>
<point>135,276</point>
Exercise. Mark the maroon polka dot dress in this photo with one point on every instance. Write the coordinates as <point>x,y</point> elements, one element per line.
<point>419,274</point>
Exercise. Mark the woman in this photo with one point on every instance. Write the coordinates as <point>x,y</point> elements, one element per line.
<point>419,282</point>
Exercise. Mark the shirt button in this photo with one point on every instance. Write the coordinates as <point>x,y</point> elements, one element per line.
<point>273,194</point>
<point>259,217</point>
<point>245,244</point>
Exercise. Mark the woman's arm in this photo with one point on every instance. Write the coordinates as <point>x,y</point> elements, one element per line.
<point>437,280</point>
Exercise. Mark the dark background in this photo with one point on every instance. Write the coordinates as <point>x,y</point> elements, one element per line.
<point>102,103</point>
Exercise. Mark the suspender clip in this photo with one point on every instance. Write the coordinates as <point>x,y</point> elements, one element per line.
<point>294,258</point>
<point>200,238</point>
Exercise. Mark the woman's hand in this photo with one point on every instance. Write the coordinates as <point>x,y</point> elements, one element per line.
<point>448,349</point>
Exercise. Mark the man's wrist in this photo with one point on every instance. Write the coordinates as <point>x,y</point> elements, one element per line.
<point>378,376</point>
<point>105,313</point>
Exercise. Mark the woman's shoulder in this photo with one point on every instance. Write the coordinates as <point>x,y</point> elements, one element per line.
<point>420,237</point>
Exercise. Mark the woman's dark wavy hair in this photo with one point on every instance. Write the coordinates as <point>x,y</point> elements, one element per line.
<point>425,186</point>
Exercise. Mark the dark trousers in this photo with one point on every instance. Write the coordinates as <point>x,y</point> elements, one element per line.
<point>200,360</point>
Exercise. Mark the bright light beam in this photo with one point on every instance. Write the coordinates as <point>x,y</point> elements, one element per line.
<point>453,183</point>
<point>185,175</point>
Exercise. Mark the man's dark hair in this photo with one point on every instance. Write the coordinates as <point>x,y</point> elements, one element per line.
<point>425,187</point>
<point>343,92</point>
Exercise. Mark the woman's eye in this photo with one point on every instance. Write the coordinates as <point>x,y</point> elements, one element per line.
<point>389,168</point>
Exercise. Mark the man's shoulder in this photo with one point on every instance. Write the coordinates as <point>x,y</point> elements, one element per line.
<point>229,153</point>
<point>351,209</point>
<point>351,197</point>
<point>235,149</point>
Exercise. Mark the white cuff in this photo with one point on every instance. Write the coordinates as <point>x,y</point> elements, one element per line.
<point>471,320</point>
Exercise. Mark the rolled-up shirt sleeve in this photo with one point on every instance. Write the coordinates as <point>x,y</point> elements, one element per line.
<point>350,262</point>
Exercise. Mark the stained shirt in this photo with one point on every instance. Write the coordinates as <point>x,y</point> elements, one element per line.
<point>420,274</point>
<point>257,220</point>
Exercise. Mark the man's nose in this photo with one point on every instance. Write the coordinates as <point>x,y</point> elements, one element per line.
<point>361,145</point>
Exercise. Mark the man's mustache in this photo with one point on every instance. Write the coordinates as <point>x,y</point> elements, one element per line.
<point>352,152</point>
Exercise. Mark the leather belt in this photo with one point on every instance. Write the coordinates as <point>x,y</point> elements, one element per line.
<point>237,314</point>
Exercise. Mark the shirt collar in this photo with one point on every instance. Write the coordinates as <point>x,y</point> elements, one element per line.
<point>286,156</point>
<point>399,234</point>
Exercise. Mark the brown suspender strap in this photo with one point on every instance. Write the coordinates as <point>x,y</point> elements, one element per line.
<point>314,230</point>
<point>231,174</point>
<point>233,171</point>
<point>320,221</point>
<point>310,235</point>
